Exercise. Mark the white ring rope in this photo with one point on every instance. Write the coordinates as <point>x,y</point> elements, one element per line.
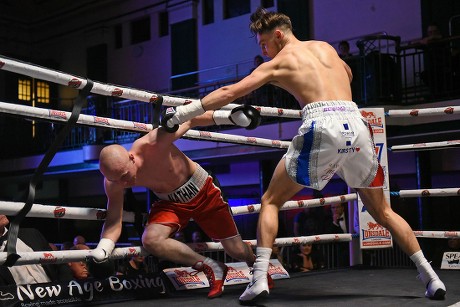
<point>424,112</point>
<point>46,211</point>
<point>429,192</point>
<point>91,120</point>
<point>55,257</point>
<point>76,82</point>
<point>426,146</point>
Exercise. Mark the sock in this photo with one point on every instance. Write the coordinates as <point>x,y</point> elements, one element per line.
<point>218,272</point>
<point>423,267</point>
<point>262,261</point>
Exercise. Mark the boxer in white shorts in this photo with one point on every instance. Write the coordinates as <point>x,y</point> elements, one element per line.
<point>334,138</point>
<point>319,80</point>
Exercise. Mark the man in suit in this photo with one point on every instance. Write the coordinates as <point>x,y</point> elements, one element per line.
<point>29,240</point>
<point>339,224</point>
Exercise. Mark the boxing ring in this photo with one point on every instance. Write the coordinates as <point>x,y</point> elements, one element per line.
<point>357,286</point>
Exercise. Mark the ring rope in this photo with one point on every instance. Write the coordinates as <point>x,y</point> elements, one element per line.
<point>427,193</point>
<point>426,146</point>
<point>424,112</point>
<point>55,257</point>
<point>77,82</point>
<point>73,81</point>
<point>47,211</point>
<point>96,214</point>
<point>91,120</point>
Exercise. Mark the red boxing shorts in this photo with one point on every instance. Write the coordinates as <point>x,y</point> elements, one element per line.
<point>198,199</point>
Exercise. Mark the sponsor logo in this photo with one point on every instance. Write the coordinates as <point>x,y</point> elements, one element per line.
<point>414,113</point>
<point>59,212</point>
<point>47,258</point>
<point>57,114</point>
<point>276,143</point>
<point>450,234</point>
<point>272,270</point>
<point>6,296</point>
<point>322,201</point>
<point>185,278</point>
<point>375,231</point>
<point>280,112</point>
<point>117,92</point>
<point>233,274</point>
<point>251,139</point>
<point>342,198</point>
<point>185,193</point>
<point>335,109</point>
<point>75,83</point>
<point>101,214</point>
<point>140,126</point>
<point>348,133</point>
<point>348,150</point>
<point>101,120</point>
<point>154,98</point>
<point>372,119</point>
<point>251,208</point>
<point>206,134</point>
<point>300,203</point>
<point>187,101</point>
<point>2,64</point>
<point>449,110</point>
<point>425,193</point>
<point>418,233</point>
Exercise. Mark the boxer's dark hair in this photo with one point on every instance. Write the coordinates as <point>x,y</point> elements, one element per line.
<point>263,21</point>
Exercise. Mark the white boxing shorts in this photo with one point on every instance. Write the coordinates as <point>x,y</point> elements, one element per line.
<point>333,139</point>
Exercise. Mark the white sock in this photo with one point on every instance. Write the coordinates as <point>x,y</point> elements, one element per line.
<point>218,272</point>
<point>423,267</point>
<point>262,261</point>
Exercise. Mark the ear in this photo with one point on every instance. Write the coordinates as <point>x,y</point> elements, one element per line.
<point>131,157</point>
<point>278,34</point>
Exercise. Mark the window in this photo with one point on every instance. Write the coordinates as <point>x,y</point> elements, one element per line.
<point>234,8</point>
<point>24,90</point>
<point>208,11</point>
<point>140,30</point>
<point>163,24</point>
<point>118,33</point>
<point>43,92</point>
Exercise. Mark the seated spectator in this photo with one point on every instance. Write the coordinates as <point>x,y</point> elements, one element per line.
<point>79,240</point>
<point>133,266</point>
<point>180,236</point>
<point>30,240</point>
<point>308,222</point>
<point>79,269</point>
<point>307,258</point>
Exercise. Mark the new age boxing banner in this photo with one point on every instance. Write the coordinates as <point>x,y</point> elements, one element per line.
<point>87,292</point>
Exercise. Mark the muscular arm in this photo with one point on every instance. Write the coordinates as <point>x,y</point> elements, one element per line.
<point>227,94</point>
<point>113,221</point>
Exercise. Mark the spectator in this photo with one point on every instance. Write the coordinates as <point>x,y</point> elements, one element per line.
<point>344,50</point>
<point>29,240</point>
<point>79,240</point>
<point>67,245</point>
<point>433,33</point>
<point>258,59</point>
<point>180,236</point>
<point>338,224</point>
<point>307,258</point>
<point>79,269</point>
<point>133,266</point>
<point>197,236</point>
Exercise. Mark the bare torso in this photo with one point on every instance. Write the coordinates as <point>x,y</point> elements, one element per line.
<point>162,168</point>
<point>311,71</point>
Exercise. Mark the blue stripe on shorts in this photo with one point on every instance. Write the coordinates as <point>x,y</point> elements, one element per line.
<point>303,161</point>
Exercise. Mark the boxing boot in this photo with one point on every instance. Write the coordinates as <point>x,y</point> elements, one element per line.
<point>215,273</point>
